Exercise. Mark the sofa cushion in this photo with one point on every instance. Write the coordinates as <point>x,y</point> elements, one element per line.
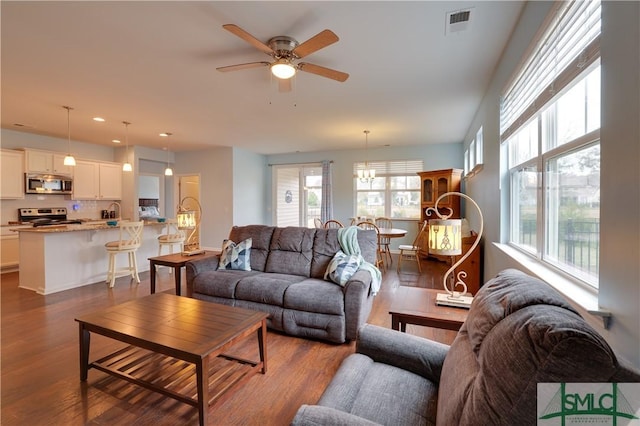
<point>326,245</point>
<point>519,333</point>
<point>219,283</point>
<point>260,239</point>
<point>290,251</point>
<point>265,287</point>
<point>313,295</point>
<point>510,291</point>
<point>381,393</point>
<point>342,267</point>
<point>236,256</point>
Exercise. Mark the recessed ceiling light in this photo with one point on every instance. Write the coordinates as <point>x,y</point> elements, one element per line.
<point>115,141</point>
<point>165,134</point>
<point>100,119</point>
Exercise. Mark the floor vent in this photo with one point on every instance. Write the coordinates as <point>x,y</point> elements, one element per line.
<point>457,21</point>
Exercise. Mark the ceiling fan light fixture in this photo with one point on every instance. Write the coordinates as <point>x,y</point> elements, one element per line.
<point>283,69</point>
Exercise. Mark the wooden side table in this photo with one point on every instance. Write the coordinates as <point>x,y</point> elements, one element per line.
<point>415,305</point>
<point>175,261</point>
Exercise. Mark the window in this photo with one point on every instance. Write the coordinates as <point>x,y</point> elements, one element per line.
<point>550,123</point>
<point>394,192</point>
<point>473,156</point>
<point>297,194</point>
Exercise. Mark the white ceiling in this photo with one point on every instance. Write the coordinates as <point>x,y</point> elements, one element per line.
<point>153,63</point>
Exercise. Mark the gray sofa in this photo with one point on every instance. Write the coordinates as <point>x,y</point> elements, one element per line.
<point>286,281</point>
<point>519,332</point>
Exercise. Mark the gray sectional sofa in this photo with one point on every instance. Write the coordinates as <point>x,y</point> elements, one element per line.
<point>519,332</point>
<point>287,281</point>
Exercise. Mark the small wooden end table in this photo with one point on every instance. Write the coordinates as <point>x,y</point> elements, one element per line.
<point>172,339</point>
<point>414,305</point>
<point>175,261</point>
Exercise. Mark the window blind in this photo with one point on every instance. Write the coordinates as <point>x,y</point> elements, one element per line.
<point>391,168</point>
<point>569,44</point>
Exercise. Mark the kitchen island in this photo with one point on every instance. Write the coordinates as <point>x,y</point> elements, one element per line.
<point>61,257</point>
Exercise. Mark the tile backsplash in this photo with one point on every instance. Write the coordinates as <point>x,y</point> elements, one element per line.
<point>76,209</point>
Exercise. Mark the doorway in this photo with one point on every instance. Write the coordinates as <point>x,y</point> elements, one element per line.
<point>189,186</point>
<point>297,194</point>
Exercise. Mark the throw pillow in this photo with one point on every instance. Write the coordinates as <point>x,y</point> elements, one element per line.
<point>236,256</point>
<point>342,267</point>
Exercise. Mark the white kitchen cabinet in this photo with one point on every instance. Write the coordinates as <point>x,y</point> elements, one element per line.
<point>110,181</point>
<point>9,250</point>
<point>97,181</point>
<point>86,176</point>
<point>12,174</point>
<point>46,162</point>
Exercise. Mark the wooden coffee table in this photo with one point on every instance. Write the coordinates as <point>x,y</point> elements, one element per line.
<point>175,261</point>
<point>172,339</point>
<point>413,305</point>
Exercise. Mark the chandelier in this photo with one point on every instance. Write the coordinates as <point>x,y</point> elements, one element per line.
<point>366,175</point>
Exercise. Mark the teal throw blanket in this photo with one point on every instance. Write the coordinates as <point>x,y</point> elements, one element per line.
<point>348,239</point>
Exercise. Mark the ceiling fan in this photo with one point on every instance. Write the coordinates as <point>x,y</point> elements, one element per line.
<point>286,51</point>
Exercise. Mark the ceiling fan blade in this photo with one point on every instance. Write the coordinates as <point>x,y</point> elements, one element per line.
<point>236,30</point>
<point>243,66</point>
<point>323,72</point>
<point>317,42</point>
<point>284,85</point>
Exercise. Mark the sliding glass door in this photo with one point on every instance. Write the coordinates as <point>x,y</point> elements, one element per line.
<point>297,194</point>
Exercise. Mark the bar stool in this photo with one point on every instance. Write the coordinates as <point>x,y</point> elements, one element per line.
<point>172,236</point>
<point>129,242</point>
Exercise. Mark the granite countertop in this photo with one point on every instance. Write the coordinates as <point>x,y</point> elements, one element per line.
<point>89,226</point>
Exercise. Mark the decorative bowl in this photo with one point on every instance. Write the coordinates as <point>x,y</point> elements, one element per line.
<point>112,222</point>
<point>162,219</point>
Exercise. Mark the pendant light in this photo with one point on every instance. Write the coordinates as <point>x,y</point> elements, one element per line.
<point>366,175</point>
<point>126,167</point>
<point>168,171</point>
<point>69,160</point>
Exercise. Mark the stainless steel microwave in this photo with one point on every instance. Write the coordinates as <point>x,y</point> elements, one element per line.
<point>47,184</point>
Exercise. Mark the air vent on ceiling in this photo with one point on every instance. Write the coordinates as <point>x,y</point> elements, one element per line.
<point>457,21</point>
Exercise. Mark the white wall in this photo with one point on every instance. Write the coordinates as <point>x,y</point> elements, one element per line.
<point>11,139</point>
<point>620,176</point>
<point>249,193</point>
<point>215,168</point>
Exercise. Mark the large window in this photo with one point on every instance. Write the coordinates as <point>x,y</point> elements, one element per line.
<point>393,193</point>
<point>550,122</point>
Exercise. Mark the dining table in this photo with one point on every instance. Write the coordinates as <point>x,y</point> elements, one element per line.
<point>392,232</point>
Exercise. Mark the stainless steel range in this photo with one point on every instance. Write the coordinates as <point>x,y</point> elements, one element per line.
<point>45,216</point>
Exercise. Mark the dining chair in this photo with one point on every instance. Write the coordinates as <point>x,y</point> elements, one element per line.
<point>317,222</point>
<point>129,242</point>
<point>379,252</point>
<point>385,242</point>
<point>333,224</point>
<point>412,252</point>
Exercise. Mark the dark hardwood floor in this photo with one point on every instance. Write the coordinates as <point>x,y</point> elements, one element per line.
<point>40,383</point>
